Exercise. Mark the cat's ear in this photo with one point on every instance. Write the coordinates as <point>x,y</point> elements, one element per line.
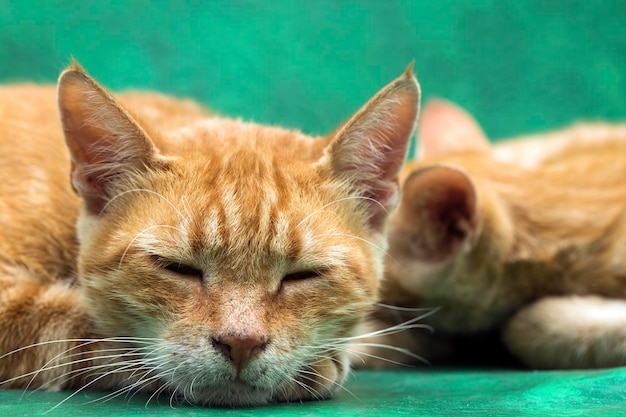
<point>445,128</point>
<point>104,141</point>
<point>439,209</point>
<point>367,151</point>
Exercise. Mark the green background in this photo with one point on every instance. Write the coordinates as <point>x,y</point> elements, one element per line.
<point>519,66</point>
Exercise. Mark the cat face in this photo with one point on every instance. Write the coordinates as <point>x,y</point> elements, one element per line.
<point>238,258</point>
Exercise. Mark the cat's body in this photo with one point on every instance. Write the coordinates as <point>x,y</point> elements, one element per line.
<point>538,254</point>
<point>217,261</point>
<point>534,150</point>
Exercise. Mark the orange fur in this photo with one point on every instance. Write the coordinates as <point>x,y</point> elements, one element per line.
<point>225,262</point>
<point>533,247</point>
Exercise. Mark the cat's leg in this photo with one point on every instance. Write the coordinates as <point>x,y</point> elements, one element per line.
<point>569,332</point>
<point>47,338</point>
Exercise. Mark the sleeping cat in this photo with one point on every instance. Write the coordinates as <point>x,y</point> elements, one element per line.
<point>217,261</point>
<point>533,248</point>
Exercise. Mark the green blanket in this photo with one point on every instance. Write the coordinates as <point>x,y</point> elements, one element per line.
<point>399,393</point>
<point>519,66</point>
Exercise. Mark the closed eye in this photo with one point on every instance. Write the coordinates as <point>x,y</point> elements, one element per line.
<point>178,267</point>
<point>301,275</point>
<point>304,275</point>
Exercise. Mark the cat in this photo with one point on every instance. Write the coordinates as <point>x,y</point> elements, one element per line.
<point>167,250</point>
<point>524,240</point>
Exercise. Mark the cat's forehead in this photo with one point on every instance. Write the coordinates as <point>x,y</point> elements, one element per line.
<point>259,219</point>
<point>237,189</point>
<point>220,136</point>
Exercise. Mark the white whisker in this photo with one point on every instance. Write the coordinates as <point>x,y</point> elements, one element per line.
<point>408,309</point>
<point>308,388</point>
<point>388,347</point>
<point>409,324</point>
<point>157,392</point>
<point>156,226</point>
<point>122,390</point>
<point>86,341</point>
<point>319,375</point>
<point>340,200</point>
<point>143,190</point>
<point>383,251</point>
<point>87,385</point>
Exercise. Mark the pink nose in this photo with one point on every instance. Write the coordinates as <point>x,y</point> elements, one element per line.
<point>240,349</point>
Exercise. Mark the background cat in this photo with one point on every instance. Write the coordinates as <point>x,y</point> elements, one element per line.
<point>537,254</point>
<point>222,262</point>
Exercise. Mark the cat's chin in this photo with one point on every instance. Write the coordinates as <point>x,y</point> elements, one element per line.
<point>241,394</point>
<point>236,394</point>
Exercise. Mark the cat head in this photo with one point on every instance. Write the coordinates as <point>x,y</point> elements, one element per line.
<point>447,226</point>
<point>238,259</point>
<point>439,213</point>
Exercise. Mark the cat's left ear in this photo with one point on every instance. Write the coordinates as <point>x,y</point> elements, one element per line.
<point>106,144</point>
<point>367,151</point>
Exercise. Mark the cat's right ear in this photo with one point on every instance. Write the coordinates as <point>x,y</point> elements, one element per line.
<point>439,210</point>
<point>446,128</point>
<point>104,141</point>
<point>366,152</point>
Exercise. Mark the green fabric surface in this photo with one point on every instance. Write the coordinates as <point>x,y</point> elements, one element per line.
<point>519,66</point>
<point>368,393</point>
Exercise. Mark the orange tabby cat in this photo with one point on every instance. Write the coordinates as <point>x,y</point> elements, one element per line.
<point>222,262</point>
<point>536,254</point>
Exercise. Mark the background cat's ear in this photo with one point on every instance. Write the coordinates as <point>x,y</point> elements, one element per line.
<point>439,209</point>
<point>445,128</point>
<point>104,141</point>
<point>368,150</point>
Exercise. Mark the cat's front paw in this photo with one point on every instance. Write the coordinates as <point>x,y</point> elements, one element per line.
<point>569,333</point>
<point>317,381</point>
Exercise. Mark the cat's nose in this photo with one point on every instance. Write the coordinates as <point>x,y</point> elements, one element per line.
<point>240,349</point>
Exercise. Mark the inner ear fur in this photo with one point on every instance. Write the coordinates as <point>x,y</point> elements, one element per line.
<point>368,150</point>
<point>106,144</point>
<point>440,207</point>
